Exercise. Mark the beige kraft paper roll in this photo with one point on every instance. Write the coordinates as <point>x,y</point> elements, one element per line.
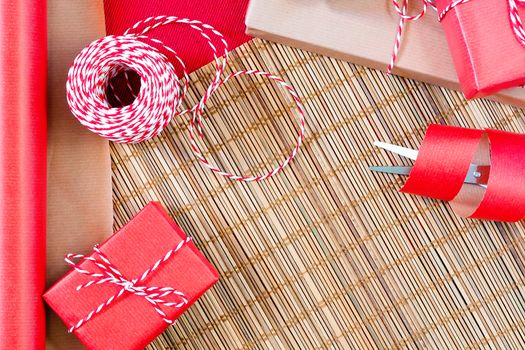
<point>79,167</point>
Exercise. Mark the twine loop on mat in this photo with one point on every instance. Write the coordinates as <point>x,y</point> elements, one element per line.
<point>161,92</point>
<point>402,11</point>
<point>108,273</point>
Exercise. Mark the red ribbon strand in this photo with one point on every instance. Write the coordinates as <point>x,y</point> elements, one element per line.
<point>402,11</point>
<point>443,162</point>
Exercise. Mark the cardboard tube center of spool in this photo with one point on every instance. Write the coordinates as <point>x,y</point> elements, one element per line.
<point>123,87</point>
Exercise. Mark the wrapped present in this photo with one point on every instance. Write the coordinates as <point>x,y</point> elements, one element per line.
<point>363,32</point>
<point>134,285</point>
<point>487,54</point>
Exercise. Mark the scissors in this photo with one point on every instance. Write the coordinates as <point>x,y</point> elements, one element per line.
<point>477,174</point>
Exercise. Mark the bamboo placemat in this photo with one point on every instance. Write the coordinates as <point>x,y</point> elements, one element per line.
<point>327,254</point>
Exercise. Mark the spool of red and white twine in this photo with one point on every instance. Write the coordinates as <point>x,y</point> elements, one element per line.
<point>402,11</point>
<point>161,92</point>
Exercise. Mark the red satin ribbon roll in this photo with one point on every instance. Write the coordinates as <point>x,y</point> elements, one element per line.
<point>504,199</point>
<point>225,16</point>
<point>442,165</point>
<point>440,169</point>
<point>22,173</point>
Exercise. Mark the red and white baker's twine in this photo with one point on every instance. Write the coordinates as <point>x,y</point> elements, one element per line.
<point>108,273</point>
<point>162,91</point>
<point>402,10</point>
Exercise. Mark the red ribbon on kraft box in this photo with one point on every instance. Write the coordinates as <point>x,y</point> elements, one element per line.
<point>443,162</point>
<point>488,54</point>
<point>134,285</point>
<point>486,39</point>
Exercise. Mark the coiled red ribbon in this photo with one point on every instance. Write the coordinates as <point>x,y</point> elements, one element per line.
<point>108,273</point>
<point>402,11</point>
<point>443,162</point>
<point>161,92</point>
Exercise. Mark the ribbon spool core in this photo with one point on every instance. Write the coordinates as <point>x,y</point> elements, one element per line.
<point>123,87</point>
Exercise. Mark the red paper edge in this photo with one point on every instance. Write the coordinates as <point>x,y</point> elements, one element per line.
<point>192,246</point>
<point>504,199</point>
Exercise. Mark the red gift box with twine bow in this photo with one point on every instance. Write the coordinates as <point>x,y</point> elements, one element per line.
<point>134,285</point>
<point>487,42</point>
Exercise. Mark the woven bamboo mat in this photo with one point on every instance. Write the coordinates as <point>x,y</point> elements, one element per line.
<point>326,254</point>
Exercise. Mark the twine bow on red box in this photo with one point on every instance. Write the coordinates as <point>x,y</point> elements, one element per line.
<point>161,92</point>
<point>109,274</point>
<point>402,11</point>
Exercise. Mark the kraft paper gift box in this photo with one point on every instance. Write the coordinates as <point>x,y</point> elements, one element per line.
<point>131,321</point>
<point>363,32</point>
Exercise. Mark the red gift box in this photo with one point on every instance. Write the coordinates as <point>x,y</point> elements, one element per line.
<point>106,301</point>
<point>486,52</point>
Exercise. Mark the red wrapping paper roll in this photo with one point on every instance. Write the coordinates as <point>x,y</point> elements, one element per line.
<point>23,63</point>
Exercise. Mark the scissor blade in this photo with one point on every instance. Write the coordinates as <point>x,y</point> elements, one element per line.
<point>398,170</point>
<point>477,174</point>
<point>402,151</point>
